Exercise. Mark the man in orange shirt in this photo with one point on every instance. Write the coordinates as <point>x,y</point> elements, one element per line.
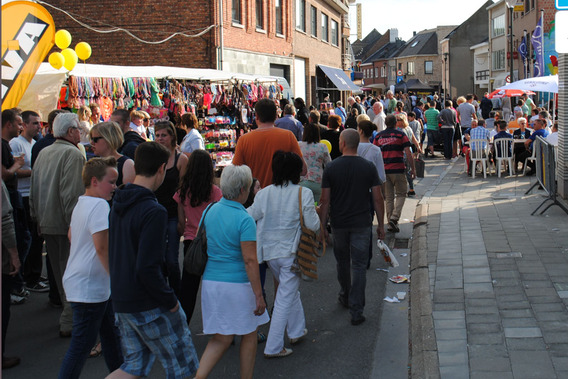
<point>256,148</point>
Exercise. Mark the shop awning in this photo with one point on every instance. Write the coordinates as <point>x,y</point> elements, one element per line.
<point>339,79</point>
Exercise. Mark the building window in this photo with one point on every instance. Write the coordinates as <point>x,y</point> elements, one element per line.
<point>301,15</point>
<point>334,35</point>
<point>278,15</point>
<point>376,72</point>
<point>410,68</point>
<point>383,72</point>
<point>259,15</point>
<point>428,67</point>
<point>314,20</point>
<point>498,59</point>
<point>482,75</point>
<point>324,29</point>
<point>498,26</point>
<point>392,72</point>
<point>237,12</point>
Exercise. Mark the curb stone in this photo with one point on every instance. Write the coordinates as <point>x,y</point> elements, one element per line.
<point>423,353</point>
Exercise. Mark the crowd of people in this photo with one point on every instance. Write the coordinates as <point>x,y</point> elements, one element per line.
<point>111,200</point>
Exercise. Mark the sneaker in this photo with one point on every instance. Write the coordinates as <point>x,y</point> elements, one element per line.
<point>358,321</point>
<point>38,287</point>
<point>17,300</point>
<point>294,341</point>
<point>22,292</point>
<point>9,362</point>
<point>393,226</point>
<point>284,353</point>
<point>411,193</point>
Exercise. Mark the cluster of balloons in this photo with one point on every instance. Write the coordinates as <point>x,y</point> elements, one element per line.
<point>68,57</point>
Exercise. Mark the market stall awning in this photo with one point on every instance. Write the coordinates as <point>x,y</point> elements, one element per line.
<point>339,79</point>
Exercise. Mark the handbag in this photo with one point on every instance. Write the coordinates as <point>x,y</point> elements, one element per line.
<point>307,254</point>
<point>195,258</point>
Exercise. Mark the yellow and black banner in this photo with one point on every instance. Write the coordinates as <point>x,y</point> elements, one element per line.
<point>28,34</point>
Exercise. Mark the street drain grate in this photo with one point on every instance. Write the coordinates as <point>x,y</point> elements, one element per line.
<point>514,254</point>
<point>401,243</point>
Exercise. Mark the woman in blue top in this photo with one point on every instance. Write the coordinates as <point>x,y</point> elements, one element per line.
<point>231,295</point>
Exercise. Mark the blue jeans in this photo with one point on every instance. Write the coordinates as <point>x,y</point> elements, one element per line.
<point>172,256</point>
<point>351,249</point>
<point>90,319</point>
<point>448,138</point>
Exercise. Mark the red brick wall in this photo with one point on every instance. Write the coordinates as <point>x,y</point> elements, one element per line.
<point>150,20</point>
<point>248,38</point>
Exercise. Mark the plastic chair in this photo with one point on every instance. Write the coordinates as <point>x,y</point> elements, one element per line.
<point>531,158</point>
<point>478,153</point>
<point>503,153</point>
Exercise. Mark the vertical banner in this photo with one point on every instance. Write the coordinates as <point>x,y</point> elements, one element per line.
<point>28,33</point>
<point>538,46</point>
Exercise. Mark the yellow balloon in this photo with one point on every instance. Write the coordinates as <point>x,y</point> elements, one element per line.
<point>327,144</point>
<point>83,50</point>
<point>70,58</point>
<point>62,39</point>
<point>56,60</point>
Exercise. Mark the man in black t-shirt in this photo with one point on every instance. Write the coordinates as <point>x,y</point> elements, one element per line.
<point>348,184</point>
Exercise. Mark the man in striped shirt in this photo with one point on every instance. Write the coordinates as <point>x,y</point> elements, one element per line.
<point>394,144</point>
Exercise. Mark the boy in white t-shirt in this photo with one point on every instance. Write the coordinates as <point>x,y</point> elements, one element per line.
<point>86,280</point>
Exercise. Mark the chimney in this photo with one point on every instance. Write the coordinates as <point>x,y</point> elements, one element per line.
<point>413,34</point>
<point>393,35</point>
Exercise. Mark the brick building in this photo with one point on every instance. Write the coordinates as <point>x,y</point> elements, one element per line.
<point>263,37</point>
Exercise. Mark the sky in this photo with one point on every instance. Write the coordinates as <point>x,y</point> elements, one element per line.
<point>410,15</point>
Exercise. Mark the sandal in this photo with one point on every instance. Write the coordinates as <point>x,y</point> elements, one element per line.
<point>260,337</point>
<point>96,351</point>
<point>284,353</point>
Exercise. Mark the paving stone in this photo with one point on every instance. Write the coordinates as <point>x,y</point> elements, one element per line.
<point>451,334</point>
<point>488,375</point>
<point>527,332</point>
<point>454,372</point>
<point>449,324</point>
<point>448,306</point>
<point>558,349</point>
<point>550,307</point>
<point>490,364</point>
<point>549,291</point>
<point>483,318</point>
<point>544,299</point>
<point>481,302</point>
<point>511,297</point>
<point>439,315</point>
<point>488,327</point>
<point>453,358</point>
<point>530,344</point>
<point>554,326</point>
<point>487,351</point>
<point>560,363</point>
<point>543,316</point>
<point>448,346</point>
<point>470,288</point>
<point>485,338</point>
<point>519,322</point>
<point>537,283</point>
<point>514,304</point>
<point>555,337</point>
<point>516,313</point>
<point>531,364</point>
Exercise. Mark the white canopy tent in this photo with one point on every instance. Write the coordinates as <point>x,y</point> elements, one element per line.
<point>43,92</point>
<point>538,84</point>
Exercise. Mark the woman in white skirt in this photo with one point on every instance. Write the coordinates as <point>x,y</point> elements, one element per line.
<point>231,295</point>
<point>276,208</point>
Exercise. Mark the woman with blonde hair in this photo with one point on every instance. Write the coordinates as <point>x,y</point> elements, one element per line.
<point>106,139</point>
<point>84,114</point>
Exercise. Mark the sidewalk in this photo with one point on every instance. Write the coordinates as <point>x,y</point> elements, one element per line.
<point>489,289</point>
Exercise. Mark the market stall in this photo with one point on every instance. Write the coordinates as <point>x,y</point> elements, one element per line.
<point>222,101</point>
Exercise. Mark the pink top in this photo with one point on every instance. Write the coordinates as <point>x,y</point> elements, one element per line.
<point>193,215</point>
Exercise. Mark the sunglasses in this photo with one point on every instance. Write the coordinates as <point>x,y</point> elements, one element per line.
<point>96,139</point>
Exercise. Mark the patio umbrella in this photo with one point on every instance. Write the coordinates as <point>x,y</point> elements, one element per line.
<point>537,84</point>
<point>501,92</point>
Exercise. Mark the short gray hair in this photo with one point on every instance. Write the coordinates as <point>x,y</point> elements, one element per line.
<point>351,138</point>
<point>63,122</point>
<point>234,179</point>
<point>289,109</point>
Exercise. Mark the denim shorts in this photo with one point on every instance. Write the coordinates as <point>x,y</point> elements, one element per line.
<point>161,334</point>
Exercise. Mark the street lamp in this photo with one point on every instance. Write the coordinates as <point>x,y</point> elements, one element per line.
<point>446,75</point>
<point>510,5</point>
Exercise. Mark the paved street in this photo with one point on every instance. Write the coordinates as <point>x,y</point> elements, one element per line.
<point>498,278</point>
<point>333,347</point>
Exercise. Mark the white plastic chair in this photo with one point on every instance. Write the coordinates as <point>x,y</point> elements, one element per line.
<point>531,158</point>
<point>478,153</point>
<point>503,153</point>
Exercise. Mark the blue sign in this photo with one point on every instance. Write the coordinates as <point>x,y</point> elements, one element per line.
<point>399,79</point>
<point>562,5</point>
